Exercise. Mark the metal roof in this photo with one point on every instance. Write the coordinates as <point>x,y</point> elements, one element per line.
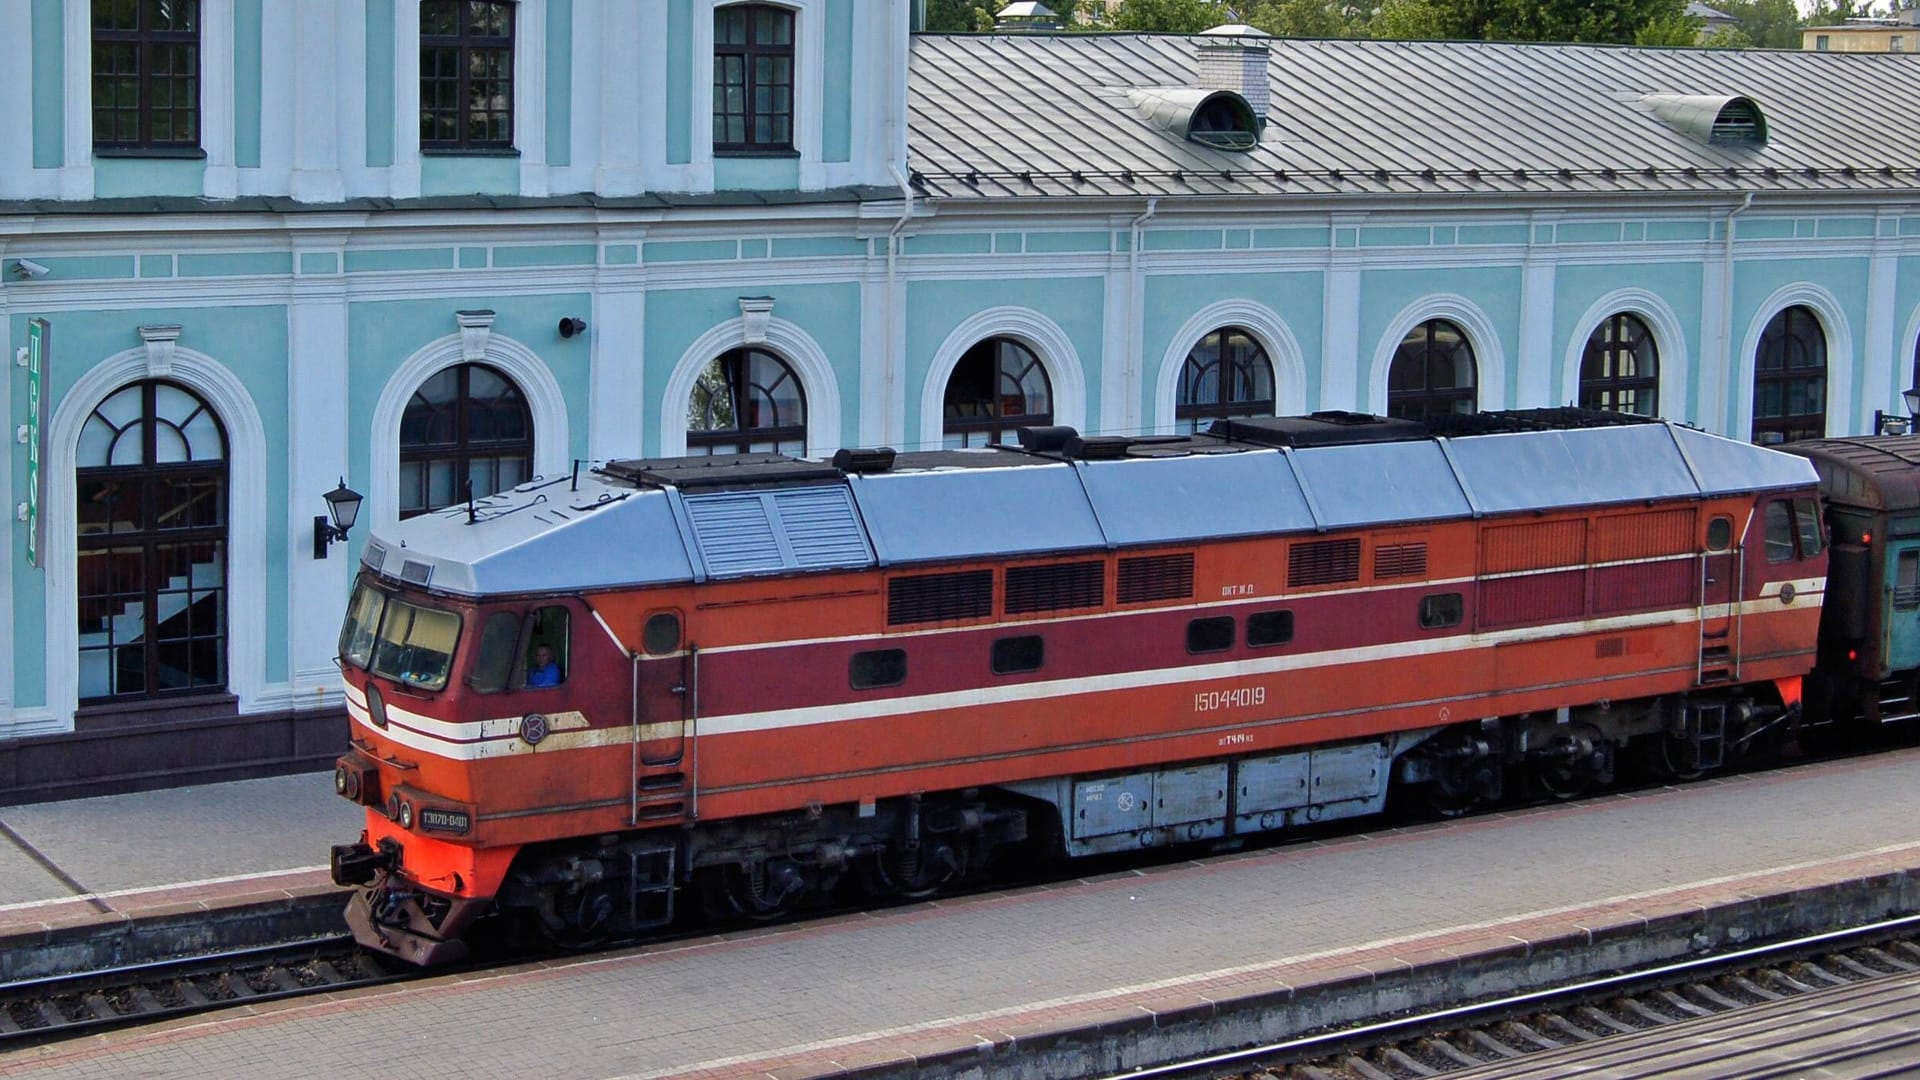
<point>628,526</point>
<point>1881,473</point>
<point>1048,115</point>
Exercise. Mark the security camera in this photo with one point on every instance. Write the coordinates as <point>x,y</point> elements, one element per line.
<point>27,268</point>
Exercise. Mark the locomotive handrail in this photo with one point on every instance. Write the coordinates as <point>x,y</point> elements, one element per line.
<point>1306,489</point>
<point>1093,505</point>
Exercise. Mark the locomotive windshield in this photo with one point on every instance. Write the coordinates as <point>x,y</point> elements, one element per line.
<point>398,639</point>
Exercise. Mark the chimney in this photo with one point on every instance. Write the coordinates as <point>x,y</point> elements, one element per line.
<point>1234,57</point>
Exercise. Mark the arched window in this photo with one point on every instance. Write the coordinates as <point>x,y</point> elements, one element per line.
<point>747,401</point>
<point>998,386</point>
<point>1226,374</point>
<point>1432,373</point>
<point>151,510</point>
<point>466,424</point>
<point>1790,379</point>
<point>1620,370</point>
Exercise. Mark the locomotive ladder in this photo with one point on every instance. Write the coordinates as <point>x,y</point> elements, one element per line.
<point>1718,660</point>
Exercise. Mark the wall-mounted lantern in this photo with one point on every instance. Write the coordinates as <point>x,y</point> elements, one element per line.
<point>343,507</point>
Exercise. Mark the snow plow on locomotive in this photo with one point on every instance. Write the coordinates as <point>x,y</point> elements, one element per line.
<point>745,678</point>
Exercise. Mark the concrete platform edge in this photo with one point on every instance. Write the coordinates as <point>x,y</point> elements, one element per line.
<point>112,939</point>
<point>1367,985</point>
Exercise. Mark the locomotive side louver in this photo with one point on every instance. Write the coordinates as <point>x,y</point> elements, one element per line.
<point>1156,577</point>
<point>1323,562</point>
<point>967,594</point>
<point>1400,560</point>
<point>1055,588</point>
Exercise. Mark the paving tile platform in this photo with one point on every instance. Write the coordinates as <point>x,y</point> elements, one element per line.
<point>1100,975</point>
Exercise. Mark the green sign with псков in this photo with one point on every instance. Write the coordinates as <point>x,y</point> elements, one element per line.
<point>39,340</point>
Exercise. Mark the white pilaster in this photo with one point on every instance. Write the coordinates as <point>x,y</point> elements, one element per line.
<point>76,175</point>
<point>316,74</point>
<point>1882,374</point>
<point>317,442</point>
<point>617,408</point>
<point>1116,332</point>
<point>625,59</point>
<point>1715,367</point>
<point>1340,336</point>
<point>1533,376</point>
<point>530,96</point>
<point>220,179</point>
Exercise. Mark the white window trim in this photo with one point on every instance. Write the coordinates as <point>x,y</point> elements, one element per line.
<point>1268,329</point>
<point>1669,342</point>
<point>1826,308</point>
<point>246,547</point>
<point>809,86</point>
<point>546,406</point>
<point>786,340</point>
<point>1490,363</point>
<point>1030,328</point>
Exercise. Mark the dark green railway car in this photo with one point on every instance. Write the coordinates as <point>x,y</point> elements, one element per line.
<point>1869,660</point>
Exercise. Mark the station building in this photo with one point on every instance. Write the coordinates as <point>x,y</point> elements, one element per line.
<point>252,251</point>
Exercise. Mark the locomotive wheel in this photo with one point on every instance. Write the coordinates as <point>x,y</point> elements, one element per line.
<point>585,920</point>
<point>1562,777</point>
<point>1671,759</point>
<point>765,889</point>
<point>914,873</point>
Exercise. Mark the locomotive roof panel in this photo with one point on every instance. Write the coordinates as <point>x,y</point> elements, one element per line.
<point>935,515</point>
<point>1381,483</point>
<point>1872,472</point>
<point>634,524</point>
<point>542,536</point>
<point>1173,499</point>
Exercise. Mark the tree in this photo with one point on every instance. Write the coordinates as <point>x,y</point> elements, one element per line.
<point>1669,30</point>
<point>1168,16</point>
<point>1309,18</point>
<point>958,16</point>
<point>1602,21</point>
<point>1767,24</point>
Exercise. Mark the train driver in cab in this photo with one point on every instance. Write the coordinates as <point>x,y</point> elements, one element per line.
<point>543,671</point>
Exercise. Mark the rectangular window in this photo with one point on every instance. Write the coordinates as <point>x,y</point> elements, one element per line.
<point>752,78</point>
<point>146,74</point>
<point>1013,655</point>
<point>1440,611</point>
<point>1779,532</point>
<point>880,667</point>
<point>1906,580</point>
<point>1055,587</point>
<point>1806,516</point>
<point>1897,43</point>
<point>1266,628</point>
<point>1213,634</point>
<point>1821,43</point>
<point>466,75</point>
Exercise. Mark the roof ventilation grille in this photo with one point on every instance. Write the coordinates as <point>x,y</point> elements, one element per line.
<point>1718,119</point>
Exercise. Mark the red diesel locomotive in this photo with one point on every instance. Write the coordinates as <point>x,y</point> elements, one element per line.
<point>745,677</point>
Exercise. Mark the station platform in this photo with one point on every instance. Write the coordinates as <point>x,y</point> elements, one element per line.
<point>1095,976</point>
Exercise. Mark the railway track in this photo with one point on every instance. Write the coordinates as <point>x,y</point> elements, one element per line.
<point>1847,998</point>
<point>35,1011</point>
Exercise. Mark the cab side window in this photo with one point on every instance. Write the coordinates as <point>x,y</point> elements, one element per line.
<point>548,642</point>
<point>493,664</point>
<point>1806,516</point>
<point>1779,531</point>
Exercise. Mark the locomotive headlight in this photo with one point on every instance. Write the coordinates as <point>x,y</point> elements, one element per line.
<point>393,807</point>
<point>533,728</point>
<point>406,815</point>
<point>340,780</point>
<point>376,706</point>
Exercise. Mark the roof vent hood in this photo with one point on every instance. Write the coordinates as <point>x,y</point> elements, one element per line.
<point>1234,57</point>
<point>1717,119</point>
